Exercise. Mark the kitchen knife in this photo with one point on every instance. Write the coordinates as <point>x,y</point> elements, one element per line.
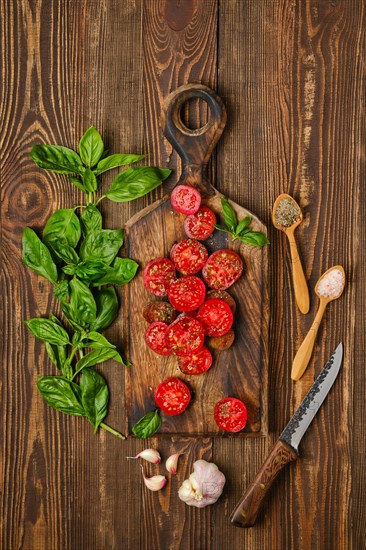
<point>286,448</point>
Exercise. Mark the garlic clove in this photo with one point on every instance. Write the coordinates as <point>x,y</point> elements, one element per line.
<point>172,463</point>
<point>151,455</point>
<point>154,483</point>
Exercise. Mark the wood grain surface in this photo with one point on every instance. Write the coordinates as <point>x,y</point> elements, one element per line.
<point>291,75</point>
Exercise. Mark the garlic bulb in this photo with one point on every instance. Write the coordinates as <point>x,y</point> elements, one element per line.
<point>151,455</point>
<point>204,485</point>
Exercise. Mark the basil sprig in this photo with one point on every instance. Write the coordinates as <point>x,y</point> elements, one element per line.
<point>240,230</point>
<point>80,258</point>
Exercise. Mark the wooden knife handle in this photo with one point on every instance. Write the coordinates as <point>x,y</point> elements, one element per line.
<point>247,509</point>
<point>193,146</point>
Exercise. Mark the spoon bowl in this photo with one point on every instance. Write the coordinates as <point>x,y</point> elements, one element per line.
<point>305,351</point>
<point>298,277</point>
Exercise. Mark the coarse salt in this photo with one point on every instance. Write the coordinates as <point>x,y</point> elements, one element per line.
<point>331,285</point>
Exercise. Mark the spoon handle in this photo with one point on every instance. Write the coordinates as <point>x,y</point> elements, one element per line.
<point>304,352</point>
<point>300,285</point>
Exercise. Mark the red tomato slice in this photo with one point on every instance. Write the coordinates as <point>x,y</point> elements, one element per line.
<point>216,317</point>
<point>222,269</point>
<point>159,311</point>
<point>158,274</point>
<point>189,256</point>
<point>185,199</point>
<point>185,335</point>
<point>155,338</point>
<point>172,396</point>
<point>187,293</point>
<point>230,414</point>
<point>200,225</point>
<point>196,363</point>
<point>222,295</point>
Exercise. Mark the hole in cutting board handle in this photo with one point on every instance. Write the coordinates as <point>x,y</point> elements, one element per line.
<point>194,116</point>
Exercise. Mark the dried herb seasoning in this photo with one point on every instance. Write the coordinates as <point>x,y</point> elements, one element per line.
<point>287,213</point>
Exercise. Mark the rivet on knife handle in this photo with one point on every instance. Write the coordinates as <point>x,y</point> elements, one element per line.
<point>247,510</point>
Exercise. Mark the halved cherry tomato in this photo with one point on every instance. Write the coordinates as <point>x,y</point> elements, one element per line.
<point>222,269</point>
<point>189,256</point>
<point>172,396</point>
<point>230,414</point>
<point>200,225</point>
<point>185,199</point>
<point>155,338</point>
<point>196,363</point>
<point>159,311</point>
<point>216,317</point>
<point>158,274</point>
<point>187,293</point>
<point>185,335</point>
<point>222,295</point>
<point>221,342</point>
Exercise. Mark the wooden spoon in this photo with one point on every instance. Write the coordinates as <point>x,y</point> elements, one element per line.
<point>304,352</point>
<point>300,285</point>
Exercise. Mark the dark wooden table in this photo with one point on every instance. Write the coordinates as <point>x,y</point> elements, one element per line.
<point>290,73</point>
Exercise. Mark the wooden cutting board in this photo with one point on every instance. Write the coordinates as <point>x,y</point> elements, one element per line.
<point>240,371</point>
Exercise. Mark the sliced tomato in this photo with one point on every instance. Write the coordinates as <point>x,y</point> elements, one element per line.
<point>216,317</point>
<point>172,396</point>
<point>189,256</point>
<point>158,274</point>
<point>185,199</point>
<point>185,335</point>
<point>196,363</point>
<point>222,295</point>
<point>222,269</point>
<point>155,338</point>
<point>221,342</point>
<point>187,293</point>
<point>159,311</point>
<point>230,414</point>
<point>201,224</point>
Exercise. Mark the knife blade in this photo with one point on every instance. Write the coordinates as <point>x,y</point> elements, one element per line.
<point>286,448</point>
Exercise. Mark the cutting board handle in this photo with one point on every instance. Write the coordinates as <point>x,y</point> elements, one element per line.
<point>193,146</point>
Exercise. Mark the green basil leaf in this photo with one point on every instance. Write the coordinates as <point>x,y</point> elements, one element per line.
<point>136,182</point>
<point>62,291</point>
<point>107,308</point>
<point>122,272</point>
<point>48,331</point>
<point>37,256</point>
<point>243,224</point>
<point>221,228</point>
<point>113,161</point>
<point>61,394</point>
<point>91,147</point>
<point>102,245</point>
<point>95,357</point>
<point>229,215</point>
<point>94,397</point>
<point>147,425</point>
<point>77,182</point>
<point>97,341</point>
<point>255,238</point>
<point>88,271</point>
<point>63,225</point>
<point>57,354</point>
<point>67,369</point>
<point>57,158</point>
<point>82,305</point>
<point>62,251</point>
<point>91,219</point>
<point>68,313</point>
<point>90,181</point>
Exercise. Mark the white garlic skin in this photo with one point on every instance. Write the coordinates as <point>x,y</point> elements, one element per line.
<point>151,455</point>
<point>154,483</point>
<point>204,485</point>
<point>172,463</point>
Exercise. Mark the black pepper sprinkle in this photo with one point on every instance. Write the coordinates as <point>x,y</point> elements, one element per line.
<point>287,213</point>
